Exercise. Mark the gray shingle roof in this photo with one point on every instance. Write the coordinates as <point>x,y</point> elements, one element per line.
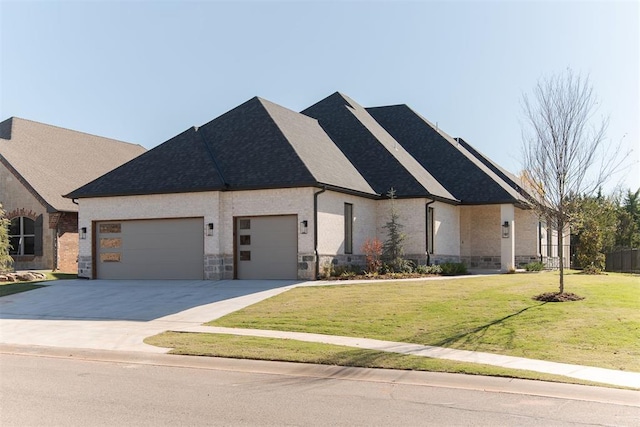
<point>335,142</point>
<point>53,160</point>
<point>378,157</point>
<point>255,145</point>
<point>461,169</point>
<point>182,164</point>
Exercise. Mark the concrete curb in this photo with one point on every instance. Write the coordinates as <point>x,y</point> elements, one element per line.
<point>600,375</point>
<point>303,370</point>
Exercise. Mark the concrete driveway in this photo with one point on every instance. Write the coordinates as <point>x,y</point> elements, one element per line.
<point>119,314</point>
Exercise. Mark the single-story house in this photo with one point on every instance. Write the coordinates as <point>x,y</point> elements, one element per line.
<point>40,163</point>
<point>266,192</point>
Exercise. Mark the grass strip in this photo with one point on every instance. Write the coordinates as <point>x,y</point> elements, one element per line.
<point>285,350</point>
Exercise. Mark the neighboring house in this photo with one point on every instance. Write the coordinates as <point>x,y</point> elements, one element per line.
<point>266,192</point>
<point>40,163</point>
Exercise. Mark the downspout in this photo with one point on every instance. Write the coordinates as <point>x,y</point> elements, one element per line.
<point>315,228</point>
<point>428,236</point>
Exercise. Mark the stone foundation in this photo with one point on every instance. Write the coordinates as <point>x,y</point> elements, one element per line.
<point>218,267</point>
<point>489,262</point>
<point>85,267</point>
<point>306,266</point>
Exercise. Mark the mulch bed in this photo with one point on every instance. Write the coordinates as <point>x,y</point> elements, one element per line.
<point>381,276</point>
<point>558,297</point>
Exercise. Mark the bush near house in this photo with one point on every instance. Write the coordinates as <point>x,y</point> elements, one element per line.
<point>534,266</point>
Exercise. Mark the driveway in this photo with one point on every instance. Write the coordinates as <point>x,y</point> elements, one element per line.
<point>119,314</point>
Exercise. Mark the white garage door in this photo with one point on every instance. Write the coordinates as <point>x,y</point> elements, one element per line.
<point>267,247</point>
<point>150,249</point>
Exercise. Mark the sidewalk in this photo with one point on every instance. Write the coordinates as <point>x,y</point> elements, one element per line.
<point>119,315</point>
<point>588,373</point>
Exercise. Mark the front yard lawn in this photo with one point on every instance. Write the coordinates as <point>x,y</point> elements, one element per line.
<point>494,314</point>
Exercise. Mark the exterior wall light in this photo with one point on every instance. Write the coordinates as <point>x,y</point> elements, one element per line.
<point>505,229</point>
<point>83,233</point>
<point>210,229</point>
<point>304,227</point>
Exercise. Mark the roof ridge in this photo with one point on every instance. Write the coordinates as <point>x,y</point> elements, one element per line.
<point>72,130</point>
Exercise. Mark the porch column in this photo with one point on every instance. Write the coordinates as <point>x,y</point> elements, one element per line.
<point>508,237</point>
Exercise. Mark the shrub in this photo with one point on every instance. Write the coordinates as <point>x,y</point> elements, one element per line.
<point>428,269</point>
<point>372,249</point>
<point>453,269</point>
<point>534,266</point>
<point>6,262</point>
<point>345,270</point>
<point>327,270</point>
<point>592,269</point>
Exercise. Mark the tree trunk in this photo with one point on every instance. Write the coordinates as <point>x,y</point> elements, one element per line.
<point>561,253</point>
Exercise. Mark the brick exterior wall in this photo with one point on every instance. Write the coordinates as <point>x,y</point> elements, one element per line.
<point>67,230</point>
<point>17,201</point>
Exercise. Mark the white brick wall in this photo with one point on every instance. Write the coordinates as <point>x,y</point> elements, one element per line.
<point>526,233</point>
<point>182,205</point>
<point>412,215</point>
<point>286,201</point>
<point>480,231</point>
<point>331,222</point>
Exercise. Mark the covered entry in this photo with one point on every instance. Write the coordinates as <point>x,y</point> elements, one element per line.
<point>267,247</point>
<point>150,249</point>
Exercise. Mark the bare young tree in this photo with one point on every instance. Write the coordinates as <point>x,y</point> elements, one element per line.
<point>564,149</point>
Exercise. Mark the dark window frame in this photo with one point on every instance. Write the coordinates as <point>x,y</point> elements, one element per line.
<point>22,237</point>
<point>430,229</point>
<point>348,228</point>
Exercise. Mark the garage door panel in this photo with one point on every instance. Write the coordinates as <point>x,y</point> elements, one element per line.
<point>272,249</point>
<point>153,249</point>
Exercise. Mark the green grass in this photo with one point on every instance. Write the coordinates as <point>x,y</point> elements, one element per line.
<point>494,314</point>
<point>10,288</point>
<point>240,347</point>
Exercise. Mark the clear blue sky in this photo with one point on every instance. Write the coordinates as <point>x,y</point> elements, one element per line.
<point>142,71</point>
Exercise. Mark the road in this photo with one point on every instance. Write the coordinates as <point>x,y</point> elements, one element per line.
<point>82,390</point>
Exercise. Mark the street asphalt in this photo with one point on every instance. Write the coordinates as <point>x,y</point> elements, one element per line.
<point>119,314</point>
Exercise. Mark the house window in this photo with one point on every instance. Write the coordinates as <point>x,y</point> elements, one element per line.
<point>22,236</point>
<point>348,228</point>
<point>430,229</point>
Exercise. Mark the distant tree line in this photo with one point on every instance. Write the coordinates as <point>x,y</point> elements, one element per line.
<point>602,224</point>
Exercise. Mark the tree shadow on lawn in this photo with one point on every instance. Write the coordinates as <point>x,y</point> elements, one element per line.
<point>475,335</point>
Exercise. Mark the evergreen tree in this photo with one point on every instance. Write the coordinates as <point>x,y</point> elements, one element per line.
<point>5,259</point>
<point>392,249</point>
<point>628,232</point>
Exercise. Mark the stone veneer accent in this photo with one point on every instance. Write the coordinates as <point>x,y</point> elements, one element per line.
<point>218,267</point>
<point>306,266</point>
<point>85,267</point>
<point>489,262</point>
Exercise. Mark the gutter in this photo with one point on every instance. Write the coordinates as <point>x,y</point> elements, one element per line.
<point>315,228</point>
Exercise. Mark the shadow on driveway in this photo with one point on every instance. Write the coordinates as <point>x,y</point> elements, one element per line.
<point>131,300</point>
